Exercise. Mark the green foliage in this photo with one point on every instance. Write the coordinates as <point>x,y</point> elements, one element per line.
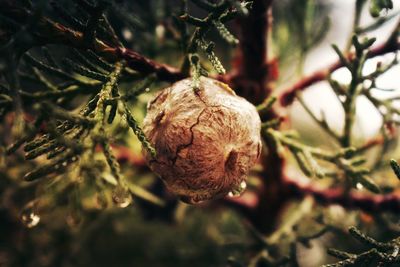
<point>138,132</point>
<point>301,25</point>
<point>379,254</point>
<point>66,137</point>
<point>218,14</point>
<point>68,129</point>
<point>350,165</point>
<point>377,6</point>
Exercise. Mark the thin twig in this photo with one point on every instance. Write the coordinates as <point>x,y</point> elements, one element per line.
<point>288,95</point>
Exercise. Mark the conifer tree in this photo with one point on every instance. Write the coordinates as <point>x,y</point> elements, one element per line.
<point>159,133</point>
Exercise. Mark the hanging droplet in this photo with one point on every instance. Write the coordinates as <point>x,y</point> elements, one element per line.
<point>191,200</point>
<point>243,185</point>
<point>29,216</point>
<point>237,192</point>
<point>121,197</point>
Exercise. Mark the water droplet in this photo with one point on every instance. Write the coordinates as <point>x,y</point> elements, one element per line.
<point>395,251</point>
<point>122,197</point>
<point>160,31</point>
<point>243,185</point>
<point>237,192</point>
<point>29,216</point>
<point>359,186</point>
<point>191,200</point>
<point>127,34</point>
<point>196,200</point>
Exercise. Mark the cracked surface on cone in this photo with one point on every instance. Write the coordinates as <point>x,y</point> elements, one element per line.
<point>206,140</point>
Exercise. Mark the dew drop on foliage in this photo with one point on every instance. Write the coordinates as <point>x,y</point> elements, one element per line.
<point>29,216</point>
<point>237,192</point>
<point>121,197</point>
<point>359,186</point>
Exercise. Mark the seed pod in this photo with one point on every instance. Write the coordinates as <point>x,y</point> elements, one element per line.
<point>206,139</point>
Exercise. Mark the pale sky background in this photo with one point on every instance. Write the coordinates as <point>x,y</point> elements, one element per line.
<point>320,95</point>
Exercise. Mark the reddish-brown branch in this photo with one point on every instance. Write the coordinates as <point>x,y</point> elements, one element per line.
<point>249,78</point>
<point>48,32</point>
<point>250,68</point>
<point>263,211</point>
<point>373,142</point>
<point>288,95</point>
<point>352,200</point>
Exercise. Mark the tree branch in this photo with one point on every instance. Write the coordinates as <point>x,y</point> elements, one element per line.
<point>289,94</point>
<point>249,78</point>
<point>250,72</point>
<point>351,200</point>
<point>50,32</point>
